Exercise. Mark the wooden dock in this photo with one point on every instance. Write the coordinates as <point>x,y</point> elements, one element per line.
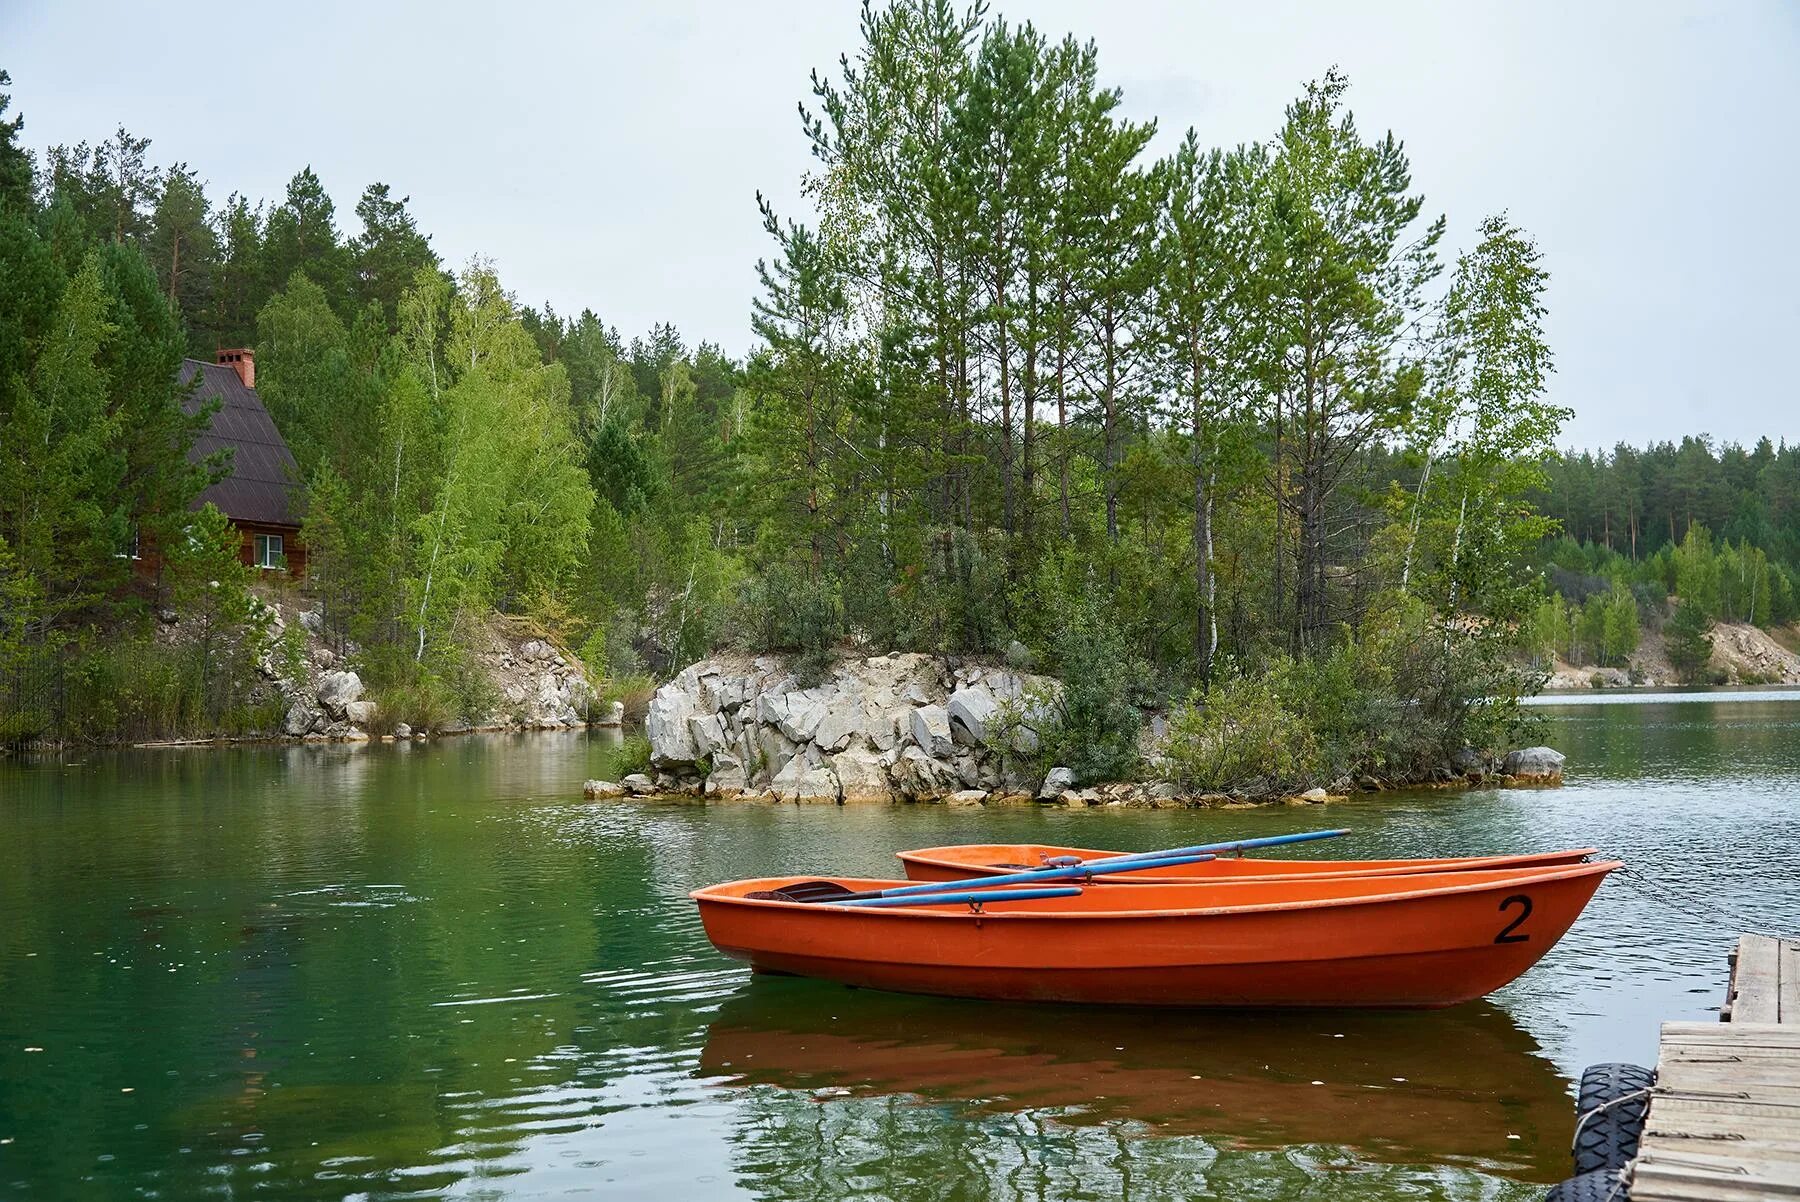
<point>1724,1119</point>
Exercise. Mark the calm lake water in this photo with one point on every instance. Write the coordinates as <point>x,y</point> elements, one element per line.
<point>434,972</point>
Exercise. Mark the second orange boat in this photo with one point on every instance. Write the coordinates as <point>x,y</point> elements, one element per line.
<point>961,861</point>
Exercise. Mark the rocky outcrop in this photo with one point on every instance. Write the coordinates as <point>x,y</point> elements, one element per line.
<point>1534,766</point>
<point>906,727</point>
<point>1741,654</point>
<point>884,728</point>
<point>535,686</point>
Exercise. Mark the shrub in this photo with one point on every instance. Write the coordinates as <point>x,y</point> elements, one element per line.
<point>1093,729</point>
<point>1238,736</point>
<point>633,755</point>
<point>421,704</point>
<point>787,609</point>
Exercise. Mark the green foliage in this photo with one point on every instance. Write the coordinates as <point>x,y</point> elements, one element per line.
<point>1641,501</point>
<point>223,628</point>
<point>424,705</point>
<point>15,161</point>
<point>1545,630</point>
<point>1093,728</point>
<point>1689,642</point>
<point>1396,703</point>
<point>1605,629</point>
<point>1697,572</point>
<point>786,610</point>
<point>633,755</point>
<point>1237,736</point>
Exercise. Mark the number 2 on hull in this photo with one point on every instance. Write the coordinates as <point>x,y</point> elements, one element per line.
<point>1506,933</point>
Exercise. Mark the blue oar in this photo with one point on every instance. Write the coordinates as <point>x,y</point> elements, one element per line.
<point>975,897</point>
<point>1121,863</point>
<point>831,891</point>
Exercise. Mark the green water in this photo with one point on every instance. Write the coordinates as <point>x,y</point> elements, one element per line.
<point>433,972</point>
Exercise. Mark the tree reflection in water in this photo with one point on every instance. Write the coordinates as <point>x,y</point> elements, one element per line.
<point>849,1094</point>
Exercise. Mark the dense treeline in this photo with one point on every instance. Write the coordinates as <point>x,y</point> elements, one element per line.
<point>1223,423</point>
<point>1636,501</point>
<point>1668,538</point>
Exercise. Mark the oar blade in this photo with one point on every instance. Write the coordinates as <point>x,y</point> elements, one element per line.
<point>805,892</point>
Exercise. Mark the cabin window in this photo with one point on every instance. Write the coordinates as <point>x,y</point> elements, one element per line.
<point>268,551</point>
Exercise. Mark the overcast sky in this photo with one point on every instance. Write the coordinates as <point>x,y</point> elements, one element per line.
<point>607,155</point>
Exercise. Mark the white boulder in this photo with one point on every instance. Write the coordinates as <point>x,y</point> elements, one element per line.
<point>1535,765</point>
<point>337,690</point>
<point>862,776</point>
<point>807,783</point>
<point>931,731</point>
<point>666,726</point>
<point>972,711</point>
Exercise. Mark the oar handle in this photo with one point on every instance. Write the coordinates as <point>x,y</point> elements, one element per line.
<point>972,896</point>
<point>1118,862</point>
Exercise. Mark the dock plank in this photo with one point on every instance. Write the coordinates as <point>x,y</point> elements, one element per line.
<point>1733,1035</point>
<point>1755,981</point>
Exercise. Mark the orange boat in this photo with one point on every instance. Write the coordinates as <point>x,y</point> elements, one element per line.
<point>964,860</point>
<point>1427,939</point>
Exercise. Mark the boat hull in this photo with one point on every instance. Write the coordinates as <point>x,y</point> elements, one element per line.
<point>1434,940</point>
<point>959,862</point>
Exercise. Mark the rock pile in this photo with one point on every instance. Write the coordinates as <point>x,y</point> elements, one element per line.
<point>885,728</point>
<point>539,688</point>
<point>331,708</point>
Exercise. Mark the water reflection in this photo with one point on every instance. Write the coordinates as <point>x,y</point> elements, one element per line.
<point>1462,1085</point>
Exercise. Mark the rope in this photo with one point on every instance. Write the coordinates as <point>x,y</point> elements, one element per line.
<point>1651,889</point>
<point>1618,1178</point>
<point>1624,1097</point>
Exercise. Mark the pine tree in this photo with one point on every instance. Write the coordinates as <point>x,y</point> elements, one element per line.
<point>389,252</point>
<point>301,234</point>
<point>1343,270</point>
<point>184,247</point>
<point>16,169</point>
<point>1688,641</point>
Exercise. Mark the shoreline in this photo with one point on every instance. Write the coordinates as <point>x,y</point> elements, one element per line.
<point>1670,694</point>
<point>281,740</point>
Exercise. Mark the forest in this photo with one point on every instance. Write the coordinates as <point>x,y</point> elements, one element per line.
<point>1231,432</point>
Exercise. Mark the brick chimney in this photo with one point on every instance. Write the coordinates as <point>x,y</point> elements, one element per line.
<point>243,360</point>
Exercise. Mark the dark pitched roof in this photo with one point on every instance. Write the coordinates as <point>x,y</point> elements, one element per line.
<point>263,473</point>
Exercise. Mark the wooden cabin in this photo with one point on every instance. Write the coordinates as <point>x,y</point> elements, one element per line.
<point>259,494</point>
